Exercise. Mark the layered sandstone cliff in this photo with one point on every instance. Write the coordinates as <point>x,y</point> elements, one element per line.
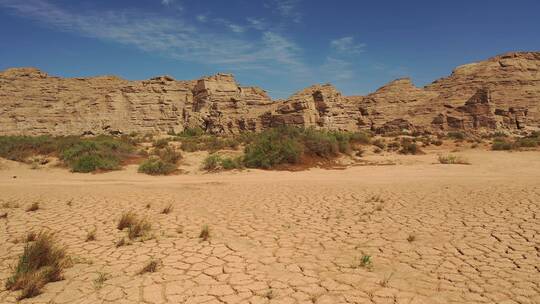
<point>502,92</point>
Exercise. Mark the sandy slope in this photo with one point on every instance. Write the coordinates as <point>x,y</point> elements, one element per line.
<point>292,237</point>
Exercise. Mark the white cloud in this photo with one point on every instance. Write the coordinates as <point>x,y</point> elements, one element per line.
<point>256,23</point>
<point>347,45</point>
<point>202,18</point>
<point>236,28</point>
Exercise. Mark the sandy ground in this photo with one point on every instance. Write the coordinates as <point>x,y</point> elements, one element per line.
<point>291,237</point>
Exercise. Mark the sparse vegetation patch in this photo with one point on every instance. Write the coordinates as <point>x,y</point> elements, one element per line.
<point>79,154</point>
<point>288,145</point>
<point>451,159</point>
<point>41,262</point>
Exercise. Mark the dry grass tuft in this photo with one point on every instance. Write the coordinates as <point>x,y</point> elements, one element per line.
<point>136,227</point>
<point>167,209</point>
<point>205,233</point>
<point>91,235</point>
<point>384,282</point>
<point>121,242</point>
<point>3,215</point>
<point>411,238</point>
<point>9,205</point>
<point>127,220</point>
<point>41,262</point>
<point>375,199</point>
<point>98,282</point>
<point>453,160</point>
<point>151,266</point>
<point>30,237</point>
<point>139,229</point>
<point>33,207</point>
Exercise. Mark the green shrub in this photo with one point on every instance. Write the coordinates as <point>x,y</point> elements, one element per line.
<point>211,162</point>
<point>228,163</point>
<point>19,148</point>
<point>457,135</point>
<point>161,143</point>
<point>80,154</point>
<point>361,138</point>
<point>527,142</point>
<point>287,145</point>
<point>322,144</point>
<point>409,147</point>
<point>274,147</point>
<point>168,155</point>
<point>215,162</point>
<point>91,163</point>
<point>209,143</point>
<point>156,166</point>
<point>92,154</point>
<point>192,132</point>
<point>501,144</point>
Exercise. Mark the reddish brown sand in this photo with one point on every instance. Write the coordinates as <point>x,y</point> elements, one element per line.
<point>291,237</point>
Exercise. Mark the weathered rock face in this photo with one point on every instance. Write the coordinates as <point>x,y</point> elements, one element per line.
<point>502,92</point>
<point>319,106</point>
<point>221,106</point>
<point>513,82</point>
<point>33,103</point>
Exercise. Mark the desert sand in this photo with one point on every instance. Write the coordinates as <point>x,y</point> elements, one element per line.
<point>435,233</point>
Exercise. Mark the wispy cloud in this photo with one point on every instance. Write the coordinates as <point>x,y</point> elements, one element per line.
<point>336,70</point>
<point>347,45</point>
<point>286,8</point>
<point>172,37</point>
<point>243,46</point>
<point>257,23</point>
<point>172,4</point>
<point>202,18</point>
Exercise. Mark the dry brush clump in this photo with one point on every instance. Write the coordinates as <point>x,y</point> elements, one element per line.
<point>41,262</point>
<point>504,143</point>
<point>204,235</point>
<point>33,207</point>
<point>451,159</point>
<point>126,220</point>
<point>151,266</point>
<point>137,228</point>
<point>91,235</point>
<point>168,209</point>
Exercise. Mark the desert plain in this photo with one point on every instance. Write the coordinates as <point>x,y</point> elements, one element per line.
<point>411,231</point>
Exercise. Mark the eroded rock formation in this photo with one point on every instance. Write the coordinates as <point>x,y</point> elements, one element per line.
<point>502,92</point>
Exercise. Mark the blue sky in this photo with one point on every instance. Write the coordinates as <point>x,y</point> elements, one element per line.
<point>279,45</point>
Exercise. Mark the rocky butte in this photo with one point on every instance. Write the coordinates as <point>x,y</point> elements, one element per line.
<point>502,92</point>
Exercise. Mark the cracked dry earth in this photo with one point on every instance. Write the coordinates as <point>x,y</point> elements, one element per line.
<point>435,234</point>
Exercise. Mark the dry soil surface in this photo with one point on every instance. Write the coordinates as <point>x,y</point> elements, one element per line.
<point>435,233</point>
